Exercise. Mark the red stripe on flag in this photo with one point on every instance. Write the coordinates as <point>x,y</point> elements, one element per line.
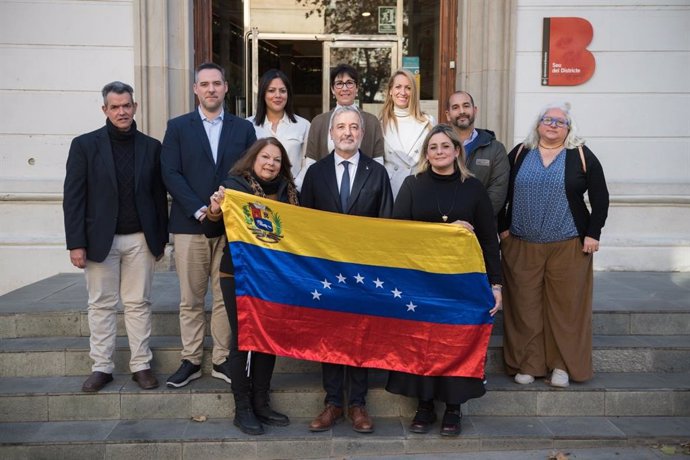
<point>415,347</point>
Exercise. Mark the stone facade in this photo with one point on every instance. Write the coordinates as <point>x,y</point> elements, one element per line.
<point>634,111</point>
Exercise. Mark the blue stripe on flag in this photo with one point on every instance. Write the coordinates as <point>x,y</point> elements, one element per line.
<point>312,282</point>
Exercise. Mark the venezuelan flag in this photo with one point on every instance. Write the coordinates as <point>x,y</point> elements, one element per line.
<point>379,293</point>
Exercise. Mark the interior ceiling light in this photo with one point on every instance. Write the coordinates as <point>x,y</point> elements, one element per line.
<point>366,14</point>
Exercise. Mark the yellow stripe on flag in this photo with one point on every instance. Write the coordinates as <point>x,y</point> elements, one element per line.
<point>430,247</point>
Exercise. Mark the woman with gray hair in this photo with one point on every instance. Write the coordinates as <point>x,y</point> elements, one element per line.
<point>548,239</point>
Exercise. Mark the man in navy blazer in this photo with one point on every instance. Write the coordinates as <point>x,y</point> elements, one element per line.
<point>116,214</point>
<point>199,149</point>
<point>348,182</point>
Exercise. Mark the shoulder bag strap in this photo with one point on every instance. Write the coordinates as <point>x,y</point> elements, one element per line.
<point>518,153</point>
<point>582,159</point>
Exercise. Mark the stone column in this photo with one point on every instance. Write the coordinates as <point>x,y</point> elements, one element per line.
<point>163,62</point>
<point>486,62</point>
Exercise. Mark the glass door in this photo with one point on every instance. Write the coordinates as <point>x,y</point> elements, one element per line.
<point>374,60</point>
<point>303,58</point>
<point>299,57</point>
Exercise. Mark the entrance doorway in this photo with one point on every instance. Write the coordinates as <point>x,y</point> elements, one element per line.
<point>308,62</point>
<point>301,60</point>
<point>374,60</point>
<point>306,38</point>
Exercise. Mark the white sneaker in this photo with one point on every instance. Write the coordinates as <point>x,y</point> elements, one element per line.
<point>559,378</point>
<point>524,379</point>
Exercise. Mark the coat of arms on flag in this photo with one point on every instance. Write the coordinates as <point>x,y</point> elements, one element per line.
<point>263,222</point>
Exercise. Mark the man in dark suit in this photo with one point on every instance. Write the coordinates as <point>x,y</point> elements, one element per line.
<point>116,214</point>
<point>199,149</point>
<point>350,183</point>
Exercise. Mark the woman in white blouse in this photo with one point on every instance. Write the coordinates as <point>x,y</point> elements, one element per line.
<point>404,127</point>
<point>275,117</point>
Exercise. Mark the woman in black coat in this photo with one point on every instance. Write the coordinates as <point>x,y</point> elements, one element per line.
<point>263,171</point>
<point>444,191</point>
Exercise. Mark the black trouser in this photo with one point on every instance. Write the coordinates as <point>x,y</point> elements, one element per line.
<point>334,376</point>
<point>262,364</point>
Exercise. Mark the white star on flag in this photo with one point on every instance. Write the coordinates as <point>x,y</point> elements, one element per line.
<point>396,293</point>
<point>315,295</point>
<point>411,307</point>
<point>341,278</point>
<point>326,284</point>
<point>378,283</point>
<point>359,278</point>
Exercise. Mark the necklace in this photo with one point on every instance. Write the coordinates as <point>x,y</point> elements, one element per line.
<point>444,215</point>
<point>550,148</point>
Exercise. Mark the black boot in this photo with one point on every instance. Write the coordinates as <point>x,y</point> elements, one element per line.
<point>424,417</point>
<point>262,371</point>
<point>245,419</point>
<point>450,426</point>
<point>264,413</point>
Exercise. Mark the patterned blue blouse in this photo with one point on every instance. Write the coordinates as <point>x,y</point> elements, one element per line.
<point>541,213</point>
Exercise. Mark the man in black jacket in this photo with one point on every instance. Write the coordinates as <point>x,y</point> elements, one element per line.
<point>116,216</point>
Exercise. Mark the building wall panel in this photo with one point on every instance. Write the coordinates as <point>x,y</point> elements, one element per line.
<point>634,113</point>
<point>76,23</point>
<point>64,68</point>
<point>628,26</point>
<point>616,72</point>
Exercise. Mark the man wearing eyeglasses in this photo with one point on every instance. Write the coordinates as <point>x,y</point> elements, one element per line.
<point>484,155</point>
<point>344,80</point>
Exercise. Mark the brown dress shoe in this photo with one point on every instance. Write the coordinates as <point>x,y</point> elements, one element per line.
<point>96,381</point>
<point>326,419</point>
<point>361,422</point>
<point>145,379</point>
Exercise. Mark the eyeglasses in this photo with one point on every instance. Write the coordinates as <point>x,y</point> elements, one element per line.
<point>344,84</point>
<point>558,122</point>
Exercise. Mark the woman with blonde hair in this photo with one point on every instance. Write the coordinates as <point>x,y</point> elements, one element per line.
<point>444,191</point>
<point>404,127</point>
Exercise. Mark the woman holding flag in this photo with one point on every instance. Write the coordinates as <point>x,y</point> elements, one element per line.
<point>263,171</point>
<point>444,191</point>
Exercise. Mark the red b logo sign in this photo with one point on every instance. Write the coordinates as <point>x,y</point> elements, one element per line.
<point>565,58</point>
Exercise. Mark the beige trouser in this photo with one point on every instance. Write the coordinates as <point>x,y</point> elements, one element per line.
<point>547,308</point>
<point>197,259</point>
<point>125,274</point>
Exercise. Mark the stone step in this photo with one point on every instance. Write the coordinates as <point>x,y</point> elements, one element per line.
<point>31,399</point>
<point>624,304</point>
<point>74,323</point>
<point>218,438</point>
<point>55,356</point>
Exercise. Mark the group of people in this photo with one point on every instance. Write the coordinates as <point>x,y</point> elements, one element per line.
<point>399,165</point>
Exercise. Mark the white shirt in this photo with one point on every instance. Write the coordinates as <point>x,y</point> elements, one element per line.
<point>213,129</point>
<point>340,168</point>
<point>293,136</point>
<point>471,138</point>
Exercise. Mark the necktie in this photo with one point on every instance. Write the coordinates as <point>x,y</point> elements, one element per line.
<point>345,186</point>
